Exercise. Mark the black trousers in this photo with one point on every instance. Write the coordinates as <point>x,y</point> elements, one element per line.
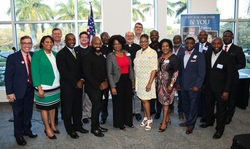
<point>122,103</point>
<point>213,97</point>
<point>96,99</point>
<point>72,110</point>
<point>232,101</point>
<point>105,104</point>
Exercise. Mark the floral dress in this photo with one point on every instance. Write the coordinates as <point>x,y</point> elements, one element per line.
<point>167,70</point>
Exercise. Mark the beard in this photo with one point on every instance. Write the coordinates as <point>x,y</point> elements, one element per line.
<point>97,51</point>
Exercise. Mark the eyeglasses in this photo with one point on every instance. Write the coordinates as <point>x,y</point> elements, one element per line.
<point>26,43</point>
<point>138,27</point>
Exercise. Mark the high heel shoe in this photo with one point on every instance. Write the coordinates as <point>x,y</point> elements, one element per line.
<point>144,122</point>
<point>168,122</point>
<point>53,137</point>
<point>149,122</point>
<point>162,130</point>
<point>56,131</point>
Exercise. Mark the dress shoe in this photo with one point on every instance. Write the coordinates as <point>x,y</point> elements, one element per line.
<point>21,141</point>
<point>228,120</point>
<point>52,137</point>
<point>189,131</point>
<point>157,115</point>
<point>183,124</point>
<point>138,117</point>
<point>203,120</point>
<point>82,130</point>
<point>206,125</point>
<point>31,134</point>
<point>181,116</point>
<point>103,121</point>
<point>85,120</point>
<point>217,135</point>
<point>123,128</point>
<point>102,129</point>
<point>73,135</point>
<point>97,133</point>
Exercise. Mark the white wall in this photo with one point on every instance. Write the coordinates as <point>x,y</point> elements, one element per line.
<point>202,6</point>
<point>117,16</point>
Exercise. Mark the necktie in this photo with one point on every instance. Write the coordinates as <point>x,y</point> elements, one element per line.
<point>29,71</point>
<point>201,48</point>
<point>188,52</point>
<point>74,54</point>
<point>225,49</point>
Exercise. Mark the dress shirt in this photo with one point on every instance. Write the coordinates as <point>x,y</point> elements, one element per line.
<point>186,58</point>
<point>228,46</point>
<point>214,58</point>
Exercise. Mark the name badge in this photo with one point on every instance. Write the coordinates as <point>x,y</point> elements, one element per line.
<point>166,61</point>
<point>219,66</point>
<point>195,56</point>
<point>205,48</point>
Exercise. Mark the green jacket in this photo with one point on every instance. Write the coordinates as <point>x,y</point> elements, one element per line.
<point>41,69</point>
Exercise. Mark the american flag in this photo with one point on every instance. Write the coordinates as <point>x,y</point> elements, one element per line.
<point>91,25</point>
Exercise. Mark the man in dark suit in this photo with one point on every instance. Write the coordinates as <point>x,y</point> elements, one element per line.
<point>220,67</point>
<point>95,73</point>
<point>106,50</point>
<point>190,79</point>
<point>19,89</point>
<point>203,46</point>
<point>132,48</point>
<point>240,62</point>
<point>69,64</point>
<point>177,50</point>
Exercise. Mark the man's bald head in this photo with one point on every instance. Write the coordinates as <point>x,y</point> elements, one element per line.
<point>96,44</point>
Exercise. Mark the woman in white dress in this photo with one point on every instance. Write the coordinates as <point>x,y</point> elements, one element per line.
<point>145,65</point>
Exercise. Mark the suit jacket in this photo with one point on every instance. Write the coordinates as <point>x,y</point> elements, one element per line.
<point>220,77</point>
<point>94,70</point>
<point>194,73</point>
<point>114,71</point>
<point>208,47</point>
<point>240,59</point>
<point>16,75</point>
<point>41,68</point>
<point>69,68</point>
<point>180,52</point>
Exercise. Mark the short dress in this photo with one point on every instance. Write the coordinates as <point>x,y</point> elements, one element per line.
<point>51,98</point>
<point>167,70</point>
<point>144,63</point>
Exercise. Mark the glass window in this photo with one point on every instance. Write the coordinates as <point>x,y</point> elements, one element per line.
<point>6,42</point>
<point>244,9</point>
<point>226,26</point>
<point>226,9</point>
<point>5,11</point>
<point>37,31</point>
<point>175,8</point>
<point>143,11</point>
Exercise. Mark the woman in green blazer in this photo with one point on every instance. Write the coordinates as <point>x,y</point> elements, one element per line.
<point>45,77</point>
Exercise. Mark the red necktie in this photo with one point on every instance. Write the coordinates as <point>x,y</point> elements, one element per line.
<point>225,49</point>
<point>28,64</point>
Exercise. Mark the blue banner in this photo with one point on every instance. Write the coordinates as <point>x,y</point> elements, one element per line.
<point>192,24</point>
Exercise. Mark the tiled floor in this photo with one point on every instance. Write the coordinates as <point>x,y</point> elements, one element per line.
<point>134,138</point>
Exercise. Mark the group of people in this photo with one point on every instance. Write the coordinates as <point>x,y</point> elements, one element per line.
<point>136,74</point>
